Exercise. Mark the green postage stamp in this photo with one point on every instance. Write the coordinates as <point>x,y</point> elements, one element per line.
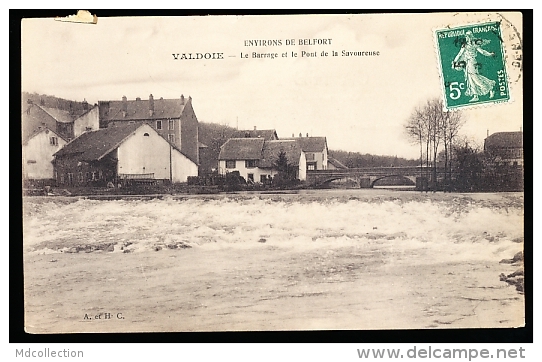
<point>472,65</point>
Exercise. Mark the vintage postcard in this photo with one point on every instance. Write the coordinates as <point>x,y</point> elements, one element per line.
<point>262,173</point>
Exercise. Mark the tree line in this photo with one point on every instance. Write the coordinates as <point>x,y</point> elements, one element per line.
<point>467,167</point>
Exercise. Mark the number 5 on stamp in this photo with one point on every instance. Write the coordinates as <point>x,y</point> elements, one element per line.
<point>472,68</point>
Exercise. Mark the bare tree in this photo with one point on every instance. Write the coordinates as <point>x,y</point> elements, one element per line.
<point>431,125</point>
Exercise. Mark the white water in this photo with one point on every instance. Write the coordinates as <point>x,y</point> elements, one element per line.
<point>301,221</point>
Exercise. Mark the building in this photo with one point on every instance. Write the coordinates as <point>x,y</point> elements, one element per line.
<point>127,151</point>
<point>506,148</point>
<point>173,119</point>
<point>38,149</point>
<point>67,124</point>
<point>315,149</point>
<point>255,158</point>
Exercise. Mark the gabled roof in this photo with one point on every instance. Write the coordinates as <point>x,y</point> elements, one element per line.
<point>34,119</point>
<point>266,134</point>
<point>311,144</point>
<point>93,145</point>
<point>242,149</point>
<point>336,163</point>
<point>504,140</point>
<point>43,129</point>
<point>139,109</point>
<point>60,115</point>
<point>272,149</point>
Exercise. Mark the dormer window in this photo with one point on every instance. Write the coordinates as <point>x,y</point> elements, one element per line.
<point>158,124</point>
<point>145,134</point>
<point>53,141</point>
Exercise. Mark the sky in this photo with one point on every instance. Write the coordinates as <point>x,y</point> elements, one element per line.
<point>360,103</point>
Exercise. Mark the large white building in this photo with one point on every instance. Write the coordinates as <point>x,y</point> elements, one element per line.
<point>128,151</point>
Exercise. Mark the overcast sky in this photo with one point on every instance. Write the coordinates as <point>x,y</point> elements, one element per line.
<point>358,103</point>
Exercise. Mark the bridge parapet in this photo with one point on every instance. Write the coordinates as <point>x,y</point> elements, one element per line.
<point>367,176</point>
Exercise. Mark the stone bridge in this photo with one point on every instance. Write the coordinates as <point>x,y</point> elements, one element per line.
<point>367,176</point>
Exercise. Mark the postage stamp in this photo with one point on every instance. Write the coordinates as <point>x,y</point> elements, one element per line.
<point>472,65</point>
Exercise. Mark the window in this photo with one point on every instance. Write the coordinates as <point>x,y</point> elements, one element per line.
<point>80,178</point>
<point>250,177</point>
<point>263,179</point>
<point>145,134</point>
<point>87,176</point>
<point>311,166</point>
<point>310,156</point>
<point>53,141</point>
<point>31,161</point>
<point>171,138</point>
<point>88,129</point>
<point>70,178</point>
<point>158,124</point>
<point>251,163</point>
<point>62,178</point>
<point>100,174</point>
<point>230,163</point>
<point>171,124</point>
<point>94,175</point>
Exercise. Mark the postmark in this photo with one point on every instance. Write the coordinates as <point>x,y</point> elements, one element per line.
<point>472,65</point>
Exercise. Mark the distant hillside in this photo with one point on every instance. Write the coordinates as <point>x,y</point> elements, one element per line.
<point>53,102</point>
<point>356,159</point>
<point>213,136</point>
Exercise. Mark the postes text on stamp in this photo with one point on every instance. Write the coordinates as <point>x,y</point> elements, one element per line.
<point>472,65</point>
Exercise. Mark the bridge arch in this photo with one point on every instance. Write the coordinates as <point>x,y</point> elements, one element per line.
<point>410,178</point>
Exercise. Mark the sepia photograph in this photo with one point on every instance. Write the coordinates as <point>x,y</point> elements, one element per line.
<point>230,173</point>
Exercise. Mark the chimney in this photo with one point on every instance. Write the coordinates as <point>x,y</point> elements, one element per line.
<point>124,106</point>
<point>182,99</point>
<point>138,99</point>
<point>307,134</point>
<point>254,127</point>
<point>487,133</point>
<point>300,135</point>
<point>293,135</point>
<point>85,105</point>
<point>151,105</point>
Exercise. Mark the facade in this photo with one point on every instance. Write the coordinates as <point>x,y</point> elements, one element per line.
<point>38,150</point>
<point>173,119</point>
<point>88,121</point>
<point>255,158</point>
<point>505,147</point>
<point>315,150</point>
<point>122,152</point>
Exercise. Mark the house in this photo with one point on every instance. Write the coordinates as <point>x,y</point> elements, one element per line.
<point>315,150</point>
<point>127,151</point>
<point>505,147</point>
<point>255,158</point>
<point>38,149</point>
<point>334,164</point>
<point>65,123</point>
<point>266,134</point>
<point>173,119</point>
